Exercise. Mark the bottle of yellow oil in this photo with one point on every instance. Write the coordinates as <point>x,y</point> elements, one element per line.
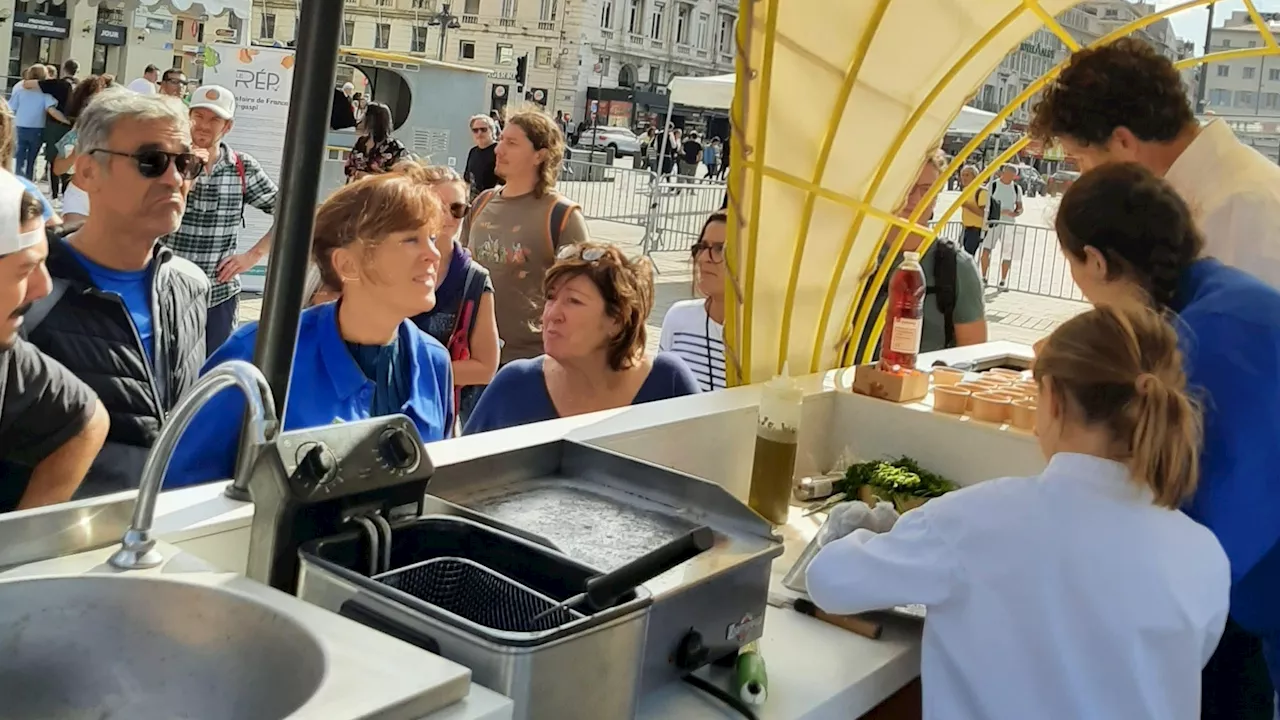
<point>777,434</point>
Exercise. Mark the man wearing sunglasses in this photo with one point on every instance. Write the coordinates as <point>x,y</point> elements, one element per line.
<point>210,232</point>
<point>123,312</point>
<point>482,159</point>
<point>174,84</point>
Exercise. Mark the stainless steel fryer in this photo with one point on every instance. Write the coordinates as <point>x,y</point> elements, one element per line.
<point>605,509</point>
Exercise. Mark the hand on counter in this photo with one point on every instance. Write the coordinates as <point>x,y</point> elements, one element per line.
<point>847,517</point>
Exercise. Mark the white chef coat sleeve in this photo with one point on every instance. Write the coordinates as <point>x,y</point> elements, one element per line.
<point>865,571</point>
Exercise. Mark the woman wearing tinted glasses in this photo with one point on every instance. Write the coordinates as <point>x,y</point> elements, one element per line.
<point>694,329</point>
<point>358,357</point>
<point>593,337</point>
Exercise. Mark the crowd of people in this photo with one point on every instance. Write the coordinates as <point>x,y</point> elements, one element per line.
<point>1143,565</point>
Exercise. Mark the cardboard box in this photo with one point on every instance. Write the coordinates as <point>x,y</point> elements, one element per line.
<point>908,386</point>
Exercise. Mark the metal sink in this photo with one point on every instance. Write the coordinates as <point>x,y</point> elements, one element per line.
<point>106,647</point>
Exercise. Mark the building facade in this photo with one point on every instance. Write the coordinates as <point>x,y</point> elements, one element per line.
<point>618,53</point>
<point>100,39</point>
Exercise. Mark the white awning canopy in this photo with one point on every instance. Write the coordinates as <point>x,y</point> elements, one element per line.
<point>240,8</point>
<point>716,92</point>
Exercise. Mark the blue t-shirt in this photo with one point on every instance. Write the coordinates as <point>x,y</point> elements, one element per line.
<point>326,386</point>
<point>518,394</point>
<point>1229,326</point>
<point>134,289</point>
<point>47,209</point>
<point>29,107</point>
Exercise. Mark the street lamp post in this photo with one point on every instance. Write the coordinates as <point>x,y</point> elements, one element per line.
<point>446,21</point>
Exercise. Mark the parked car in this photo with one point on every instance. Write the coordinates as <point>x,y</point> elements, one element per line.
<point>621,139</point>
<point>1030,180</point>
<point>1060,181</point>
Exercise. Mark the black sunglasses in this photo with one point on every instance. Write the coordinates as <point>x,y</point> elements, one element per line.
<point>459,210</point>
<point>154,163</point>
<point>479,129</point>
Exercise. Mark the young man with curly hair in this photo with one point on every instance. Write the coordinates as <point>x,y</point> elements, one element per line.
<point>1125,102</point>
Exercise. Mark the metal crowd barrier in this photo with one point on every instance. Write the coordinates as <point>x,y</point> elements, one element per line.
<point>1037,265</point>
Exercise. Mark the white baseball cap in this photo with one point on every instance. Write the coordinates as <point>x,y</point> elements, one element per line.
<point>215,98</point>
<point>12,239</point>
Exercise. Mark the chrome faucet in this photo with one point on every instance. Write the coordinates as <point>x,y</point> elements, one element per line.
<point>137,548</point>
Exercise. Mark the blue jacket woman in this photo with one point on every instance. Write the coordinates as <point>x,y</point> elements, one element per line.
<point>1129,237</point>
<point>358,357</point>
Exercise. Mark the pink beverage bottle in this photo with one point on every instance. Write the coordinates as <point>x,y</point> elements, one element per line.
<point>904,316</point>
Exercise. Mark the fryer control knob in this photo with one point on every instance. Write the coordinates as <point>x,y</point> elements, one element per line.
<point>398,449</point>
<point>318,466</point>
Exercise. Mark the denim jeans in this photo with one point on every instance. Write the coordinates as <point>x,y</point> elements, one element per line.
<point>29,141</point>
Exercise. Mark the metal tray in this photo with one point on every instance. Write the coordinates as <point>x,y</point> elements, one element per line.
<point>794,580</point>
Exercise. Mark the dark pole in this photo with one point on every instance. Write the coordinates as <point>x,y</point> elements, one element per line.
<point>315,64</point>
<point>1204,67</point>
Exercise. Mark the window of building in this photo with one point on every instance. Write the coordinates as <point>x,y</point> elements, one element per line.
<point>471,7</point>
<point>179,27</point>
<point>655,20</point>
<point>466,50</point>
<point>635,16</point>
<point>1219,96</point>
<point>606,14</point>
<point>508,9</point>
<point>604,64</point>
<point>382,36</point>
<point>727,23</point>
<point>682,23</point>
<point>1248,73</point>
<point>1224,71</point>
<point>1253,43</point>
<point>421,4</point>
<point>547,11</point>
<point>1245,98</point>
<point>348,32</point>
<point>267,30</point>
<point>704,22</point>
<point>1271,101</point>
<point>654,74</point>
<point>1273,74</point>
<point>542,56</point>
<point>504,54</point>
<point>419,41</point>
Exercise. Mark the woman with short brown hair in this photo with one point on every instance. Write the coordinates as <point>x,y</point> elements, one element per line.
<point>593,336</point>
<point>361,356</point>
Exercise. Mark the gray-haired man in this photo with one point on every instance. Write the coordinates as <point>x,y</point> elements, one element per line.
<point>124,314</point>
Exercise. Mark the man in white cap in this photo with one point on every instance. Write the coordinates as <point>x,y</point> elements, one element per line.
<point>210,228</point>
<point>51,423</point>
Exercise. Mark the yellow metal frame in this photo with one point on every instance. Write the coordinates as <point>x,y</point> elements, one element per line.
<point>750,128</point>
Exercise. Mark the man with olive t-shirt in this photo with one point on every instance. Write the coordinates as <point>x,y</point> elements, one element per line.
<point>50,421</point>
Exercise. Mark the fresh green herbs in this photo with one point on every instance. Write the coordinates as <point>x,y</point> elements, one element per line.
<point>902,482</point>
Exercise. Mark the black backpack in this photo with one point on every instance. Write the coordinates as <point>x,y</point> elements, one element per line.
<point>943,289</point>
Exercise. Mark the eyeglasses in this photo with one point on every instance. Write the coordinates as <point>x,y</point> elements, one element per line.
<point>479,130</point>
<point>586,253</point>
<point>459,210</point>
<point>714,250</point>
<point>152,164</point>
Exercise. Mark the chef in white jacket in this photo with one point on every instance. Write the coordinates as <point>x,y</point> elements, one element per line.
<point>1082,592</point>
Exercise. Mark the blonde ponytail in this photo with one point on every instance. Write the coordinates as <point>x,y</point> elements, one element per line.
<point>1120,367</point>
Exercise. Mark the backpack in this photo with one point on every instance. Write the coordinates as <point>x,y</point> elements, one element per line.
<point>244,184</point>
<point>464,321</point>
<point>994,208</point>
<point>557,219</point>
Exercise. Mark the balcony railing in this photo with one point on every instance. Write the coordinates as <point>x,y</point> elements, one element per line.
<point>546,25</point>
<point>683,49</point>
<point>506,22</point>
<point>655,44</point>
<point>470,19</point>
<point>635,39</point>
<point>606,34</point>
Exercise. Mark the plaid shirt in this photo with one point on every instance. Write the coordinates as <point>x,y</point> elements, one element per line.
<point>215,206</point>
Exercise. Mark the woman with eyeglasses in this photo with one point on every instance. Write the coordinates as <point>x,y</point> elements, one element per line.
<point>361,356</point>
<point>593,338</point>
<point>376,151</point>
<point>694,329</point>
<point>1129,237</point>
<point>480,171</point>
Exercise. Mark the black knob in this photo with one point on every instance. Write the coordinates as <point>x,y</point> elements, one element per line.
<point>398,449</point>
<point>318,465</point>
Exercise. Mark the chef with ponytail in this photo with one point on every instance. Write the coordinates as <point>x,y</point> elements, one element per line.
<point>1082,592</point>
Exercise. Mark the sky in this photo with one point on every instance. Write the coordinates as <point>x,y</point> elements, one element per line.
<point>1189,24</point>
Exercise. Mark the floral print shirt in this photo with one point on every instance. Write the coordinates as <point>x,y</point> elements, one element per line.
<point>370,157</point>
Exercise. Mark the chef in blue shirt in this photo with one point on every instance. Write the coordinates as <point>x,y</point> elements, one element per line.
<point>1128,235</point>
<point>360,356</point>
